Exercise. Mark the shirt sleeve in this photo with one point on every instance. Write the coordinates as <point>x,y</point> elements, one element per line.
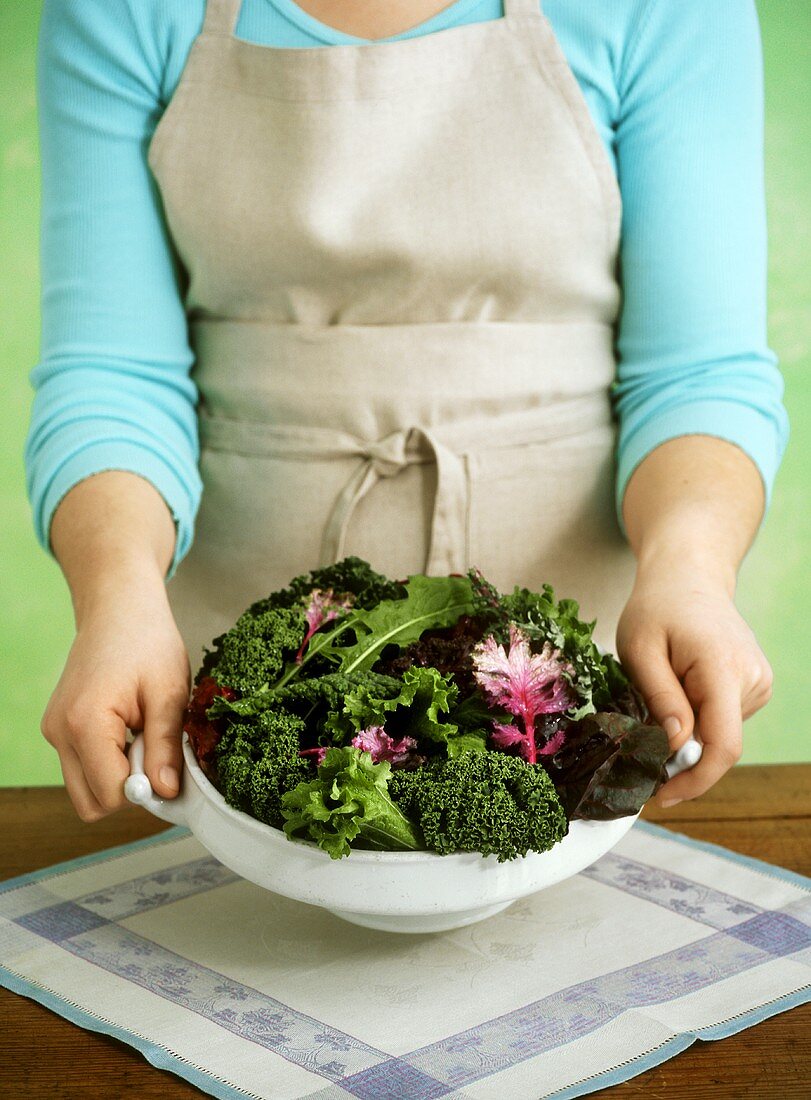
<point>692,348</point>
<point>112,388</point>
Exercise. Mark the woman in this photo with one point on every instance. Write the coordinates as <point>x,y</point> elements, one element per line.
<point>414,279</point>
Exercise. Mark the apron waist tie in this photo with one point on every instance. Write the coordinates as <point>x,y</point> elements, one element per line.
<point>387,457</point>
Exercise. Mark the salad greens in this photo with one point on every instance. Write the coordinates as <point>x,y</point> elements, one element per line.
<point>258,762</point>
<point>432,713</point>
<point>256,649</point>
<point>606,764</point>
<point>424,696</point>
<point>484,802</point>
<point>361,635</point>
<point>348,799</point>
<point>557,622</point>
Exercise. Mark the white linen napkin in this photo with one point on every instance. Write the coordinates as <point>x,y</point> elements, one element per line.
<point>663,941</point>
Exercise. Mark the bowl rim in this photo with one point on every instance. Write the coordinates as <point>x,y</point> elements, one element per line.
<point>278,836</point>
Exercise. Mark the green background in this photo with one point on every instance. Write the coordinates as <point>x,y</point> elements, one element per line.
<point>37,620</point>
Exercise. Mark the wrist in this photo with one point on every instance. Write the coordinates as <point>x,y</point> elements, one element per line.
<point>682,564</point>
<point>691,509</point>
<point>134,583</point>
<point>113,536</point>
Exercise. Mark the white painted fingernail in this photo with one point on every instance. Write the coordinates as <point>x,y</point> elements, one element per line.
<point>666,803</point>
<point>168,776</point>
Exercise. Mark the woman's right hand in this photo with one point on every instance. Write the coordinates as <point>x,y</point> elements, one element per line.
<point>127,668</point>
<point>113,535</point>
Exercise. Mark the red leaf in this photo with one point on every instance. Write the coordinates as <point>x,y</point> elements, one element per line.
<point>204,733</point>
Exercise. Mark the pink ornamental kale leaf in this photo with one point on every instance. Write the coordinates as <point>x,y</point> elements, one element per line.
<point>376,741</point>
<point>524,683</point>
<point>505,735</point>
<point>324,606</point>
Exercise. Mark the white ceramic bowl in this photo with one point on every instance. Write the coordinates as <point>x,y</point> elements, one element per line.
<point>392,891</point>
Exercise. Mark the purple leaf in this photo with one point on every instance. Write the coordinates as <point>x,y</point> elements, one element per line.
<point>381,746</point>
<point>524,683</point>
<point>323,607</point>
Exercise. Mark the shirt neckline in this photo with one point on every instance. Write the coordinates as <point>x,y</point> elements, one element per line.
<point>447,17</point>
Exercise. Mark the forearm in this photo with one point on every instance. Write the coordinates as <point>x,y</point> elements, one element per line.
<point>109,530</point>
<point>694,502</point>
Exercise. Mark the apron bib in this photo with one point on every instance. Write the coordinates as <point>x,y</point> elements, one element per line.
<point>401,288</point>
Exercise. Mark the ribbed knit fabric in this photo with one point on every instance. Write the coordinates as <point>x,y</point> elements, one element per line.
<point>676,94</point>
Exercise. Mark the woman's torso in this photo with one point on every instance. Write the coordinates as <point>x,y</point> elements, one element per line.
<point>401,293</point>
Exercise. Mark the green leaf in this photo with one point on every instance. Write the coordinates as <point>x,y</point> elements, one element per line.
<point>415,711</point>
<point>431,602</point>
<point>348,799</point>
<point>475,741</point>
<point>247,706</point>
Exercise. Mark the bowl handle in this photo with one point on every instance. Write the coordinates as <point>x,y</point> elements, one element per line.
<point>685,757</point>
<point>138,789</point>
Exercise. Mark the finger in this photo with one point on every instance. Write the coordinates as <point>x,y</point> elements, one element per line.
<point>163,722</point>
<point>100,749</point>
<point>84,801</point>
<point>648,663</point>
<point>720,728</point>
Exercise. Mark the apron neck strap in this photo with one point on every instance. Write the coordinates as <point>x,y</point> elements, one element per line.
<point>221,16</point>
<point>522,9</point>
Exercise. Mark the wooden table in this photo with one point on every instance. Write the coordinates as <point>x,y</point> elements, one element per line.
<point>761,811</point>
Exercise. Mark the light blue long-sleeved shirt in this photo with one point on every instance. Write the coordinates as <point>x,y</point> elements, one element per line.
<point>676,93</point>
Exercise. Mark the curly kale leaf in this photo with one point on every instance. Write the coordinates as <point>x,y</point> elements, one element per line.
<point>314,698</point>
<point>257,647</point>
<point>351,574</point>
<point>424,693</point>
<point>484,802</point>
<point>258,762</point>
<point>348,800</point>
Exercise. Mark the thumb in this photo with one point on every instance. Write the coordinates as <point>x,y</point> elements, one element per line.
<point>163,721</point>
<point>647,662</point>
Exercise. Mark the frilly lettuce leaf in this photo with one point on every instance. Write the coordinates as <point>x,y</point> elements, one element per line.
<point>349,798</point>
<point>425,696</point>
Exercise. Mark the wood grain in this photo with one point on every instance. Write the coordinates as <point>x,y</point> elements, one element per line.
<point>761,811</point>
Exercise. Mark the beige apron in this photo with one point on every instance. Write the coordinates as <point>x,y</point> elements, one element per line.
<point>401,290</point>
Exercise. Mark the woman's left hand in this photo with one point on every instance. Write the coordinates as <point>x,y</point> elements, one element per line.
<point>696,663</point>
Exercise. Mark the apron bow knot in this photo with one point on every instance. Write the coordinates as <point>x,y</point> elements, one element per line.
<point>384,458</point>
<point>388,455</point>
